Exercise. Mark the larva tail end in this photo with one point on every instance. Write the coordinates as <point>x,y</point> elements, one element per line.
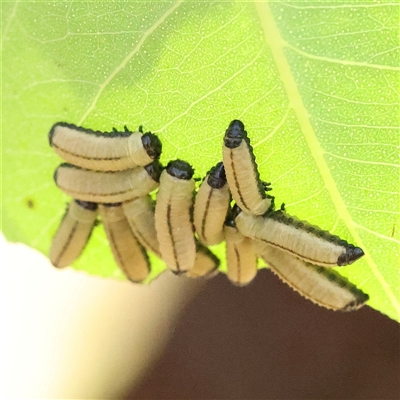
<point>216,176</point>
<point>152,145</point>
<point>240,284</point>
<point>205,250</point>
<point>53,130</point>
<point>180,169</point>
<point>138,281</point>
<point>61,166</point>
<point>51,134</point>
<point>64,124</point>
<point>55,175</point>
<point>68,165</point>
<point>154,169</point>
<point>56,264</point>
<point>352,254</point>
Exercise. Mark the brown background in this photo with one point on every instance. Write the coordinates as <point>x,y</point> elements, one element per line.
<point>264,341</point>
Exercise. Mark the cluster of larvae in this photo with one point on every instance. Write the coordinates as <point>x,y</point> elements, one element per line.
<point>114,173</point>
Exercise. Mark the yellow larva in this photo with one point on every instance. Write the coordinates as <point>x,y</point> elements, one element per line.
<point>107,187</point>
<point>110,151</point>
<point>241,260</point>
<point>241,171</point>
<point>73,233</point>
<point>173,216</point>
<point>299,239</point>
<point>128,253</point>
<point>211,206</point>
<point>206,263</point>
<point>322,286</point>
<point>140,215</point>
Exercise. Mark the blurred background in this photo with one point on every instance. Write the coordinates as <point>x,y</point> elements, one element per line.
<point>69,335</point>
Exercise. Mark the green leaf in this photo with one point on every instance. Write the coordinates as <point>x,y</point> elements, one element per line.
<point>316,84</point>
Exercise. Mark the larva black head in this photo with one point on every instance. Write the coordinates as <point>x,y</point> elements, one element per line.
<point>352,254</point>
<point>234,134</point>
<point>180,169</point>
<point>62,165</point>
<point>236,210</point>
<point>154,169</point>
<point>152,145</point>
<point>87,205</point>
<point>362,298</point>
<point>52,131</point>
<point>216,176</point>
<point>231,216</point>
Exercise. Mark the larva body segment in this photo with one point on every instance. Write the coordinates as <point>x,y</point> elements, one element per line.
<point>211,206</point>
<point>241,260</point>
<point>128,253</point>
<point>73,233</point>
<point>298,238</point>
<point>173,217</point>
<point>241,171</point>
<point>107,187</point>
<point>140,215</point>
<point>323,286</point>
<point>109,151</point>
<point>205,265</point>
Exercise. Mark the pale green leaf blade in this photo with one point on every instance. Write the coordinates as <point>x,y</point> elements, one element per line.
<point>316,85</point>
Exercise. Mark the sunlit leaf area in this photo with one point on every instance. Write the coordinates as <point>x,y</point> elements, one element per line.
<point>315,83</point>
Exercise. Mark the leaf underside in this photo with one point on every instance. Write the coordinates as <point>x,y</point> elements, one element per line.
<point>316,85</point>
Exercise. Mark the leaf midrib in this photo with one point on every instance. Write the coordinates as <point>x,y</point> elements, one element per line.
<point>277,45</point>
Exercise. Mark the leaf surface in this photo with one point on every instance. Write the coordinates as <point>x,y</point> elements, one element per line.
<point>316,84</point>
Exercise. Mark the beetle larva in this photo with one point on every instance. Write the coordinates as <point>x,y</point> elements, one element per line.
<point>128,253</point>
<point>173,216</point>
<point>323,286</point>
<point>241,171</point>
<point>241,260</point>
<point>299,238</point>
<point>107,187</point>
<point>109,151</point>
<point>73,233</point>
<point>211,206</point>
<point>206,263</point>
<point>140,215</point>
